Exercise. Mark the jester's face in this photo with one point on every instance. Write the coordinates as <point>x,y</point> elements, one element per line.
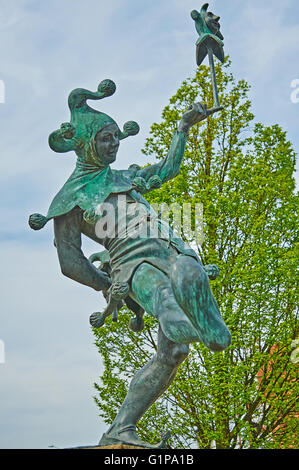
<point>107,143</point>
<point>212,22</point>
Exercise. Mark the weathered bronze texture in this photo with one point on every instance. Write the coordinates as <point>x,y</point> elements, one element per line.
<point>209,42</point>
<point>159,275</point>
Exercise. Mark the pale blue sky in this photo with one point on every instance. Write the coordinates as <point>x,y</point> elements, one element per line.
<point>46,50</point>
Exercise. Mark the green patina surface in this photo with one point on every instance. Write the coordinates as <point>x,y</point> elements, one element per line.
<point>94,182</point>
<point>161,276</point>
<point>208,28</point>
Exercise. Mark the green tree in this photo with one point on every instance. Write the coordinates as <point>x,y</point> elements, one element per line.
<point>243,174</point>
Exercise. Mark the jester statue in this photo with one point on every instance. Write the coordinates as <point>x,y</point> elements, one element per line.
<point>159,275</point>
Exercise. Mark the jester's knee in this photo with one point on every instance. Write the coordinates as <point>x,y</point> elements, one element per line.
<point>192,291</point>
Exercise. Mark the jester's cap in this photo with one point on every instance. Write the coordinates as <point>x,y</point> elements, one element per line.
<point>85,121</point>
<point>208,27</point>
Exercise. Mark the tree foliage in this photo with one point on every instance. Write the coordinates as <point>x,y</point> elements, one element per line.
<point>243,174</point>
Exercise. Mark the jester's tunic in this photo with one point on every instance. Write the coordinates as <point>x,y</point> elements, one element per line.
<point>89,186</point>
<point>127,252</point>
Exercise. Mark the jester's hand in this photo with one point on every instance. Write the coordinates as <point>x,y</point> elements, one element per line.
<point>197,112</point>
<point>105,281</point>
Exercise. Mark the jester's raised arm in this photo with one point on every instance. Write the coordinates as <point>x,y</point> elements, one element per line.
<point>170,167</point>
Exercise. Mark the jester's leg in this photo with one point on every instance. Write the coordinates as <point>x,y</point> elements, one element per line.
<point>147,385</point>
<point>156,376</point>
<point>153,291</point>
<point>192,291</point>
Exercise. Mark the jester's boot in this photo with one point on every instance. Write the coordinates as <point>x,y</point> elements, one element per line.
<point>128,436</point>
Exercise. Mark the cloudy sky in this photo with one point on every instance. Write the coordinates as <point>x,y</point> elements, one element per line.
<point>47,48</point>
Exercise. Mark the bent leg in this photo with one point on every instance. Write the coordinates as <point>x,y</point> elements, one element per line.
<point>192,291</point>
<point>147,385</point>
<point>152,289</point>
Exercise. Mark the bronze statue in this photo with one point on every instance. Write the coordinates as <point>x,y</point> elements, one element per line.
<point>159,275</point>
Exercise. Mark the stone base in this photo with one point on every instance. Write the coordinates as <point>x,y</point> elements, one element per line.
<point>116,446</point>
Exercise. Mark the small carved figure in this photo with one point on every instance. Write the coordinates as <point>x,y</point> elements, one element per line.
<point>209,42</point>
